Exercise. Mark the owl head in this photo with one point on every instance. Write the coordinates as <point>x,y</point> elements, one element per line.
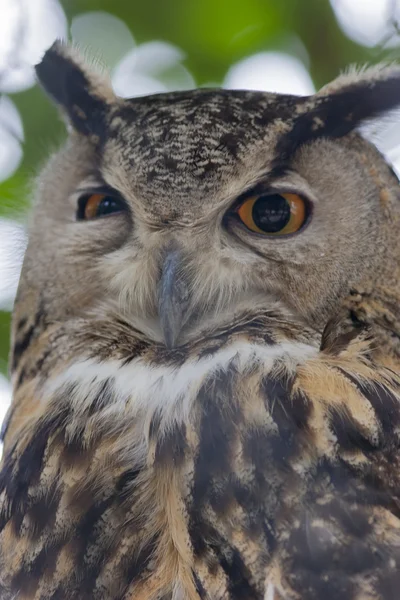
<point>179,212</point>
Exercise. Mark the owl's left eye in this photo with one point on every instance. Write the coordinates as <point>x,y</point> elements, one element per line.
<point>93,206</point>
<point>273,214</point>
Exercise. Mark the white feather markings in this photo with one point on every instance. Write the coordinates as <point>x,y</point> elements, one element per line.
<point>148,387</point>
<point>269,592</point>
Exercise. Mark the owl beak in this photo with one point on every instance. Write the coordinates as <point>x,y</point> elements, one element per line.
<point>173,297</point>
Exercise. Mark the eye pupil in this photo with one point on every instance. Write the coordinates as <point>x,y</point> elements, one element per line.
<point>106,206</point>
<point>97,205</point>
<point>274,214</point>
<point>271,213</point>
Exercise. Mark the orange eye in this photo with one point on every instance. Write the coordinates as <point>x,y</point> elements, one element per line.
<point>273,214</point>
<point>93,206</point>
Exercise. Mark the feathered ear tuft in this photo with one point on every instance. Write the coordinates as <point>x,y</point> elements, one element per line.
<point>357,96</point>
<point>83,94</point>
<point>342,105</point>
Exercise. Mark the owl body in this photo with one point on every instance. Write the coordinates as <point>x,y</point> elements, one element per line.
<point>205,350</point>
<point>235,469</point>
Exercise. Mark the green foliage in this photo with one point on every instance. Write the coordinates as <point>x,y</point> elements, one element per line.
<point>216,33</point>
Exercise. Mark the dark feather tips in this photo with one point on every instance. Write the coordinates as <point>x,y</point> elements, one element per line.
<point>72,88</point>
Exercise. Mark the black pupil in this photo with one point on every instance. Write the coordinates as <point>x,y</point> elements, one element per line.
<point>108,205</point>
<point>271,213</point>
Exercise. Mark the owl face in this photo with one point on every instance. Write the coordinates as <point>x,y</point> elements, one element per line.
<point>182,210</point>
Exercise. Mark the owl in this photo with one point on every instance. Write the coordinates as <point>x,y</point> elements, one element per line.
<point>206,349</point>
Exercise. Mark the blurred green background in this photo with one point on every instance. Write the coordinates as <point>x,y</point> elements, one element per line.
<point>205,42</point>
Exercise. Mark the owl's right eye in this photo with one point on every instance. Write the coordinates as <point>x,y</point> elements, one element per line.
<point>273,214</point>
<point>94,206</point>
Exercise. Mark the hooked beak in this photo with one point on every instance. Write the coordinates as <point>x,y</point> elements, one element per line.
<point>173,297</point>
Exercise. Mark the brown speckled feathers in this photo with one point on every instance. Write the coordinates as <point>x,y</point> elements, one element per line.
<point>287,475</point>
<point>253,454</point>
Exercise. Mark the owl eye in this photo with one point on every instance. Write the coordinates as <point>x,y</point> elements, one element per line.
<point>273,214</point>
<point>93,206</point>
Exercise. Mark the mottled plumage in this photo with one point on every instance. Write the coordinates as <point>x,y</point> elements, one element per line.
<point>201,412</point>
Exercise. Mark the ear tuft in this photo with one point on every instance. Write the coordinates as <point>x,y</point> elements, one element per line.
<point>83,94</point>
<point>361,95</point>
<point>344,104</point>
<point>361,75</point>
